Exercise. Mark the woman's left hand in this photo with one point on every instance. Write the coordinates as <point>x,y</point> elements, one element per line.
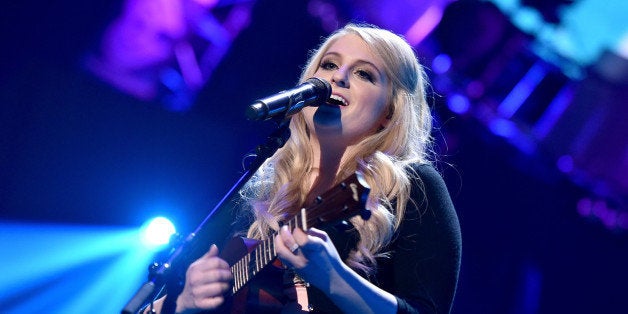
<point>312,255</point>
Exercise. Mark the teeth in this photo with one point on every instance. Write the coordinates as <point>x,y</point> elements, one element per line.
<point>337,99</point>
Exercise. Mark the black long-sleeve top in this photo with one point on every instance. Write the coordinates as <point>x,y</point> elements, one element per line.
<point>423,261</point>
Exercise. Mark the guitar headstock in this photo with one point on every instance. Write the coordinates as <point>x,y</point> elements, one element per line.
<point>343,201</point>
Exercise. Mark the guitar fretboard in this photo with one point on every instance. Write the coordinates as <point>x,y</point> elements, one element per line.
<point>262,255</point>
<point>345,200</point>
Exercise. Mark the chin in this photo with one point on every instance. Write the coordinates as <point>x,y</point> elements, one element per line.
<point>327,116</point>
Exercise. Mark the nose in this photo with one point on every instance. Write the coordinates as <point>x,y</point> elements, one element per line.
<point>340,78</point>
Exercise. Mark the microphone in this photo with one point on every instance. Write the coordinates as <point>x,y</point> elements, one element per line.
<point>312,92</point>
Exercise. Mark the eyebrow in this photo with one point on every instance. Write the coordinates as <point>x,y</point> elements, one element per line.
<point>360,61</point>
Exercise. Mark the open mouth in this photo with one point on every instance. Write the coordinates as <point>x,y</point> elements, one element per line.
<point>336,100</point>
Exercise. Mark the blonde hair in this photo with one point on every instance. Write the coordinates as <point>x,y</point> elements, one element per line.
<point>277,189</point>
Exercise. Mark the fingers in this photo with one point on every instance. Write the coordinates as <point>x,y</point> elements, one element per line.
<point>209,303</point>
<point>209,269</point>
<point>296,248</point>
<point>288,249</point>
<point>210,261</point>
<point>211,290</point>
<point>312,241</point>
<point>301,238</point>
<point>318,234</point>
<point>198,277</point>
<point>204,297</point>
<point>207,280</point>
<point>213,251</point>
<point>288,240</point>
<point>285,243</point>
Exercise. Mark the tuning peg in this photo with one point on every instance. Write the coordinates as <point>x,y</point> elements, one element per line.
<point>343,225</point>
<point>365,213</point>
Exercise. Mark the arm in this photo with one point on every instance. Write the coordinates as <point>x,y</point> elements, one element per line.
<point>425,255</point>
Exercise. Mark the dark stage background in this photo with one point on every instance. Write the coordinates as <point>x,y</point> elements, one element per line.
<point>542,204</point>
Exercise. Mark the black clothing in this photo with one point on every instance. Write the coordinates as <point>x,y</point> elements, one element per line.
<point>425,255</point>
<point>423,263</point>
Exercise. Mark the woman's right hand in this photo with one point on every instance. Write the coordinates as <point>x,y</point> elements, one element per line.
<point>207,280</point>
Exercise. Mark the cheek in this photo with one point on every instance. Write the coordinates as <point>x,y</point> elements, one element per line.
<point>367,120</point>
<point>378,109</point>
<point>383,104</point>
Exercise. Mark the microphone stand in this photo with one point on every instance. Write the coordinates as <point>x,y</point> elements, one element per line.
<point>170,275</point>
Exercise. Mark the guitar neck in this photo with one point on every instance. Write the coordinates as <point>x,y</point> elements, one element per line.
<point>262,255</point>
<point>344,200</point>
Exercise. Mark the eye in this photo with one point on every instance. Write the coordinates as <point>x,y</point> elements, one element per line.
<point>364,74</point>
<point>328,65</point>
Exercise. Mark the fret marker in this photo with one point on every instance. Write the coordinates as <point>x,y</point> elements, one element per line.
<point>354,189</point>
<point>304,219</point>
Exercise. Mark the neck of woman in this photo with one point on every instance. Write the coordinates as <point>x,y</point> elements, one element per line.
<point>328,156</point>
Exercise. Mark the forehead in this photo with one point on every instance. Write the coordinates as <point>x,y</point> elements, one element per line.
<point>353,47</point>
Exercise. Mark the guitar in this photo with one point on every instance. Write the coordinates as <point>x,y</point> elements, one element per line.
<point>343,201</point>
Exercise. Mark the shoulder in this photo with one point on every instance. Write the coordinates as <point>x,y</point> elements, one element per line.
<point>424,171</point>
<point>430,204</point>
<point>428,185</point>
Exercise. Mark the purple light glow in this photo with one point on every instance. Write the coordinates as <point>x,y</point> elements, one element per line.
<point>325,12</point>
<point>207,3</point>
<point>565,163</point>
<point>190,69</point>
<point>622,221</point>
<point>458,103</point>
<point>441,64</point>
<point>152,38</point>
<point>424,24</point>
<point>585,207</point>
<point>609,219</point>
<point>598,208</point>
<point>475,89</point>
<point>503,127</point>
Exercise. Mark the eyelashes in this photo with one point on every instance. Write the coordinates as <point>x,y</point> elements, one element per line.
<point>328,65</point>
<point>360,72</point>
<point>365,75</point>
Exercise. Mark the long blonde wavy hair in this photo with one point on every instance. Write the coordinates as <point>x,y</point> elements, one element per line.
<point>385,157</point>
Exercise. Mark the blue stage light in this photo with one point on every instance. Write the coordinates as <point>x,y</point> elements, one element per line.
<point>46,263</point>
<point>157,232</point>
